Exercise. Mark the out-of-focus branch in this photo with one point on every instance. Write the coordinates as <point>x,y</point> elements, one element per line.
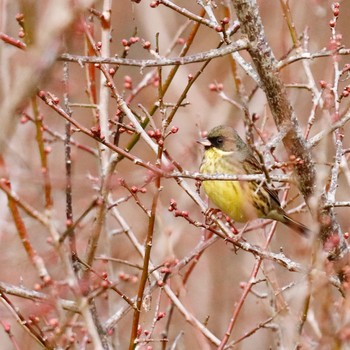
<point>29,328</point>
<point>33,295</point>
<point>33,256</point>
<point>284,116</point>
<point>40,57</point>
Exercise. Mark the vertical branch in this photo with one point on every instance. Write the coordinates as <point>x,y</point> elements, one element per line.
<point>284,116</point>
<point>282,111</point>
<point>43,154</point>
<point>107,165</point>
<point>147,255</point>
<point>90,70</point>
<point>338,134</point>
<point>104,89</point>
<point>35,259</point>
<point>68,163</point>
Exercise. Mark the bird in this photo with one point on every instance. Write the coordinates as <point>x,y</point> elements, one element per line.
<point>226,153</point>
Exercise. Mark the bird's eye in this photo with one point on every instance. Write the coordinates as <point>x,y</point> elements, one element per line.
<point>219,141</point>
<point>216,141</point>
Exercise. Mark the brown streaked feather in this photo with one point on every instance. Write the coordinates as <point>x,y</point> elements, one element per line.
<point>296,226</point>
<point>256,168</point>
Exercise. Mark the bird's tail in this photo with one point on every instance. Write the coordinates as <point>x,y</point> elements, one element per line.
<point>296,226</point>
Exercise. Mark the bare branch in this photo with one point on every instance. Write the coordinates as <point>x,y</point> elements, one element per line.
<point>239,45</point>
<point>283,113</point>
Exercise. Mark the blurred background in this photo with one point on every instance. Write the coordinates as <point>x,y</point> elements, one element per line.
<point>210,287</point>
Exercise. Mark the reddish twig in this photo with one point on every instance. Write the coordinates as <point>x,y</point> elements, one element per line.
<point>12,41</point>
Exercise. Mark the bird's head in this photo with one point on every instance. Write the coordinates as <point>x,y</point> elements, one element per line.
<point>223,138</point>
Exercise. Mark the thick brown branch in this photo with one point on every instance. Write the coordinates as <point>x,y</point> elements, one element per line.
<point>283,113</point>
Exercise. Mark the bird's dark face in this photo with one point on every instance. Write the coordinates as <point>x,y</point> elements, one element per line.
<point>223,138</point>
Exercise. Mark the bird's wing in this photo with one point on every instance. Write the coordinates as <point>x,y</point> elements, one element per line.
<point>256,168</point>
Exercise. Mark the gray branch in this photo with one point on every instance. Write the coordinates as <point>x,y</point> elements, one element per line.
<point>33,295</point>
<point>284,116</point>
<point>200,57</point>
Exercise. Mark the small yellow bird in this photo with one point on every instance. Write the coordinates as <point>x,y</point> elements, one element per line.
<point>226,153</point>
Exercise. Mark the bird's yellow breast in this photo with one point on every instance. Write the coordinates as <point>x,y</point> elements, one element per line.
<point>231,197</point>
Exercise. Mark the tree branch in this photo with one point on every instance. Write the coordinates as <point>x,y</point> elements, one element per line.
<point>200,57</point>
<point>285,117</point>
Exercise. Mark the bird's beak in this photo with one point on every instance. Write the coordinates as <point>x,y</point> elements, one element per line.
<point>204,142</point>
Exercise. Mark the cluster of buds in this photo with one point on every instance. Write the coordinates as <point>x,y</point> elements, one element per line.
<point>127,128</point>
<point>96,132</point>
<point>127,277</point>
<point>177,213</point>
<point>127,82</point>
<point>154,3</point>
<point>135,189</point>
<point>173,205</point>
<point>335,42</point>
<point>105,283</point>
<point>127,43</point>
<point>335,9</point>
<point>32,319</point>
<point>221,27</point>
<point>20,20</point>
<point>217,87</point>
<point>346,92</point>
<point>169,263</point>
<point>324,85</point>
<point>46,281</point>
<point>157,135</point>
